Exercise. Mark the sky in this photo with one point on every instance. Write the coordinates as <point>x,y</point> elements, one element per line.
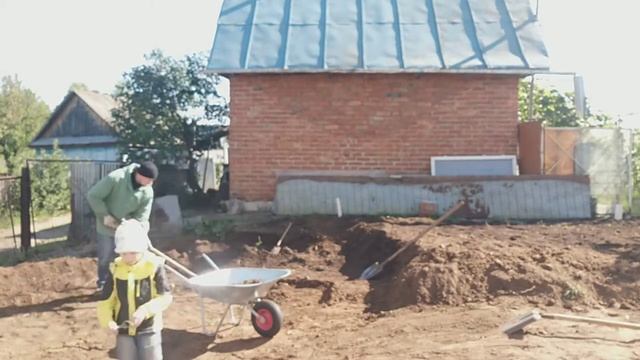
<point>52,44</point>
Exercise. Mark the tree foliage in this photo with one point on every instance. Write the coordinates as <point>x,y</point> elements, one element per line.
<point>50,187</point>
<point>78,86</point>
<point>170,111</point>
<point>556,109</point>
<point>22,114</point>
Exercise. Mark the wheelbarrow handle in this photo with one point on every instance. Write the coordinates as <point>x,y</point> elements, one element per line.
<point>209,261</point>
<point>174,263</point>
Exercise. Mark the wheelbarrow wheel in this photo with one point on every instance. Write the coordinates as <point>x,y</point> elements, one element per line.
<point>270,319</point>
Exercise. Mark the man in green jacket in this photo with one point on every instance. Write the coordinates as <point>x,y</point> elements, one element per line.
<point>125,193</point>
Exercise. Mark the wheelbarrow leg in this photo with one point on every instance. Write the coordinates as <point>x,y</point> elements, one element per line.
<point>232,315</point>
<point>222,319</point>
<point>202,317</point>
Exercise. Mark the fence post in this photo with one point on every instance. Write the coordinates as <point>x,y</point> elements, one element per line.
<point>25,205</point>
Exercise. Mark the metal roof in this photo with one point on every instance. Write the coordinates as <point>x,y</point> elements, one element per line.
<point>377,36</point>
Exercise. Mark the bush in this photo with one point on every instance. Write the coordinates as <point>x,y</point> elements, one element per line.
<point>50,188</point>
<point>9,196</point>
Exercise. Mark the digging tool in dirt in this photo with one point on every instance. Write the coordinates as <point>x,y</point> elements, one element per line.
<point>376,268</point>
<point>535,315</point>
<point>276,249</point>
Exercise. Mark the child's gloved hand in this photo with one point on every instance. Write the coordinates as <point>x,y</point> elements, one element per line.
<point>113,326</point>
<point>139,316</point>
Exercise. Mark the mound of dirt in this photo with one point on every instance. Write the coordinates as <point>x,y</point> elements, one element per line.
<point>462,264</point>
<point>38,282</point>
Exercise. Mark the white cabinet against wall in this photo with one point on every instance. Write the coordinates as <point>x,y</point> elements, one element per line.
<point>480,165</point>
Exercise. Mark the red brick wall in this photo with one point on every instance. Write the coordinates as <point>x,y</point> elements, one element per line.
<point>392,122</point>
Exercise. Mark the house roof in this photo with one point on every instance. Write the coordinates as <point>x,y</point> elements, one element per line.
<point>262,36</point>
<point>98,140</point>
<point>100,104</point>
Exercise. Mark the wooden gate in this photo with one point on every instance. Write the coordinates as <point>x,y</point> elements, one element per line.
<point>83,176</point>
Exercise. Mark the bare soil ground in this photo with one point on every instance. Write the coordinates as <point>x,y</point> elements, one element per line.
<point>445,298</point>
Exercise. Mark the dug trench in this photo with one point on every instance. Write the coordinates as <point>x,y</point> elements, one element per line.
<point>452,265</point>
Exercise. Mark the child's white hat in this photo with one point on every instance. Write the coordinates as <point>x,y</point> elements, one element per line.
<point>131,236</point>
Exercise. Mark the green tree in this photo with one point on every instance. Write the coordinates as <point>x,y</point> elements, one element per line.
<point>170,111</point>
<point>50,188</point>
<point>22,114</point>
<point>556,109</point>
<point>79,86</point>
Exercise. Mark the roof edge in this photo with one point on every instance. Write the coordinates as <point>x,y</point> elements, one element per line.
<point>98,140</point>
<point>524,72</point>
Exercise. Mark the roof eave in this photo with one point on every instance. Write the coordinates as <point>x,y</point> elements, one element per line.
<point>521,72</point>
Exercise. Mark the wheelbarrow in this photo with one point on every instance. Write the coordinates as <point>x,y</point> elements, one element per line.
<point>242,286</point>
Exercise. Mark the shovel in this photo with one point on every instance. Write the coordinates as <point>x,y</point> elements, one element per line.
<point>376,268</point>
<point>535,315</point>
<point>276,249</point>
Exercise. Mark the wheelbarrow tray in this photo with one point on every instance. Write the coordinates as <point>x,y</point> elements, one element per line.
<point>236,286</point>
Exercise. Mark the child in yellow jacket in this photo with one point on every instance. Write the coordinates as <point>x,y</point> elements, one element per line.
<point>135,295</point>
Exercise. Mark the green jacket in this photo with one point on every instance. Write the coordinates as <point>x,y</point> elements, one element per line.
<point>114,195</point>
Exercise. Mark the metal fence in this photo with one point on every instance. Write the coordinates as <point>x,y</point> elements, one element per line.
<point>605,155</point>
<point>497,197</point>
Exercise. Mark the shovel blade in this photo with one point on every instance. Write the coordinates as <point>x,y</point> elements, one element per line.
<point>371,271</point>
<point>520,323</point>
<point>275,250</point>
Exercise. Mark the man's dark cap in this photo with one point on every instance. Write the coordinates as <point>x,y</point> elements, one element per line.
<point>148,169</point>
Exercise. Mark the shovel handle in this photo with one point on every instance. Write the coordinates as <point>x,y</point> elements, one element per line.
<point>171,261</point>
<point>442,218</point>
<point>620,324</point>
<point>284,234</point>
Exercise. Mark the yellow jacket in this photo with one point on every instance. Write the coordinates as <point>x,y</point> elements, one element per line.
<point>144,286</point>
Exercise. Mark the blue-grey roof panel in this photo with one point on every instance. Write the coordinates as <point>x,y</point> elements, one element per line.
<point>377,35</point>
<point>379,11</point>
<point>303,50</point>
<point>381,48</point>
<point>236,12</point>
<point>229,54</point>
<point>310,14</point>
<point>338,11</point>
<point>271,11</point>
<point>267,50</point>
<point>496,36</point>
<point>342,57</point>
<point>425,56</point>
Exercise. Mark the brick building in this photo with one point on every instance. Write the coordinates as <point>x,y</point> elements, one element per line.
<point>370,85</point>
